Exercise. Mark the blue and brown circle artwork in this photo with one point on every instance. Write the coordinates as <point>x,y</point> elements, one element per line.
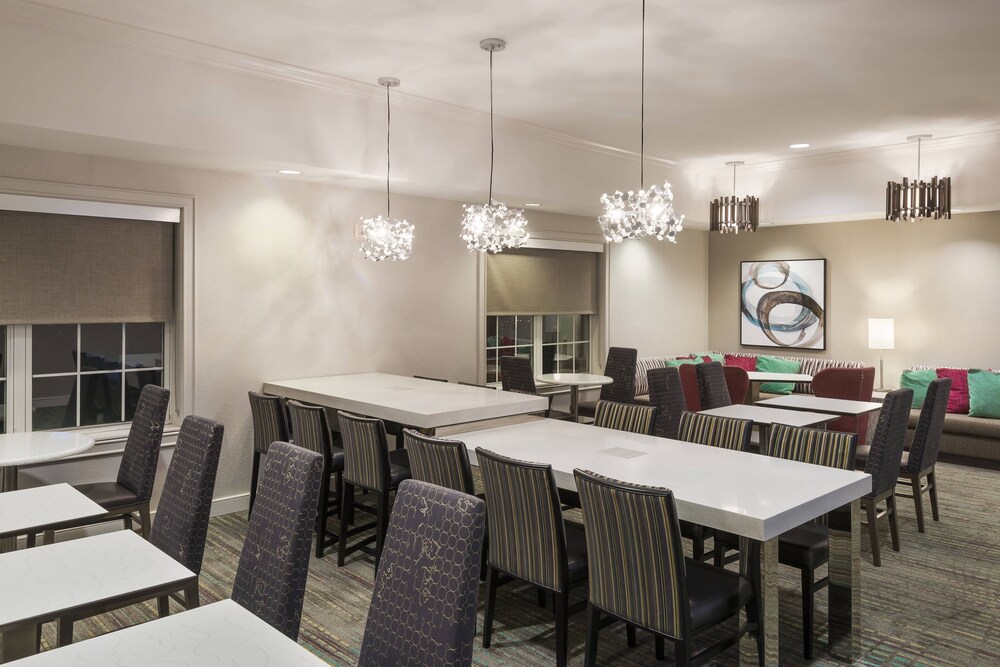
<point>780,305</point>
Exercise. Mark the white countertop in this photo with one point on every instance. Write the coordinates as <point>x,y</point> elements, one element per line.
<point>762,416</point>
<point>222,633</point>
<point>43,506</point>
<point>743,493</point>
<point>837,406</point>
<point>407,400</point>
<point>573,379</point>
<point>18,449</point>
<point>761,376</point>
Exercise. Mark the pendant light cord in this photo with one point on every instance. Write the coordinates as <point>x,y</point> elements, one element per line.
<point>490,200</point>
<point>918,159</point>
<point>642,104</point>
<point>388,159</point>
<point>734,181</point>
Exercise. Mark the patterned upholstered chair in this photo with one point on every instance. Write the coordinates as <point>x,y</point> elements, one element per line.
<point>529,540</point>
<point>271,575</point>
<point>270,424</point>
<point>854,384</point>
<point>620,367</point>
<point>656,588</point>
<point>918,463</point>
<point>370,466</point>
<point>423,609</point>
<point>713,392</point>
<point>312,431</point>
<point>625,417</point>
<point>738,383</point>
<point>667,394</point>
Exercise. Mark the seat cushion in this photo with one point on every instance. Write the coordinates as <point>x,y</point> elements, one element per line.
<point>109,495</point>
<point>715,593</point>
<point>804,547</point>
<point>861,458</point>
<point>399,467</point>
<point>576,551</point>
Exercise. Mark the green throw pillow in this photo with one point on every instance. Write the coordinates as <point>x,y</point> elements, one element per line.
<point>984,394</point>
<point>917,381</point>
<point>700,356</point>
<point>774,365</point>
<point>674,363</point>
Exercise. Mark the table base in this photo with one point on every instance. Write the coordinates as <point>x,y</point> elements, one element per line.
<point>759,562</point>
<point>844,590</point>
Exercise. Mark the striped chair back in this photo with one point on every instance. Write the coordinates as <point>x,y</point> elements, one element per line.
<point>715,431</point>
<point>713,392</point>
<point>834,449</point>
<point>366,452</point>
<point>312,431</point>
<point>620,366</point>
<point>516,375</point>
<point>270,421</point>
<point>526,532</point>
<point>625,417</point>
<point>667,394</point>
<point>886,451</point>
<point>438,461</point>
<point>137,469</point>
<point>634,552</point>
<point>930,425</point>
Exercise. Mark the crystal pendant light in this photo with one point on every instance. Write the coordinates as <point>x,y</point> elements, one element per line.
<point>650,211</point>
<point>386,237</point>
<point>492,227</point>
<point>918,200</point>
<point>733,215</point>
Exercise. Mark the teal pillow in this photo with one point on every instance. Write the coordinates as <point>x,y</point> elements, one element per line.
<point>712,356</point>
<point>917,381</point>
<point>774,365</point>
<point>674,363</point>
<point>984,394</point>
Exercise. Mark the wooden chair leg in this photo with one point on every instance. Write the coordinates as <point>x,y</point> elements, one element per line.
<point>345,512</point>
<point>661,649</point>
<point>146,523</point>
<point>593,628</point>
<point>562,627</point>
<point>932,492</point>
<point>254,472</point>
<point>807,613</point>
<point>630,635</point>
<point>890,504</point>
<point>382,526</point>
<point>918,502</point>
<point>163,606</point>
<point>541,597</point>
<point>29,541</point>
<point>873,531</point>
<point>64,631</point>
<point>127,522</point>
<point>322,514</point>
<point>192,597</point>
<point>48,537</point>
<point>492,581</point>
<point>682,653</point>
<point>698,548</point>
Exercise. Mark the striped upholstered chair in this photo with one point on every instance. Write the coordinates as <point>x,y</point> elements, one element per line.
<point>713,392</point>
<point>667,394</point>
<point>918,463</point>
<point>270,424</point>
<point>529,540</point>
<point>620,367</point>
<point>655,588</point>
<point>423,609</point>
<point>629,417</point>
<point>440,462</point>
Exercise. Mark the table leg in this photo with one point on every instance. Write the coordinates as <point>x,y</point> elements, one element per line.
<point>754,393</point>
<point>844,591</point>
<point>574,402</point>
<point>8,482</point>
<point>759,562</point>
<point>19,642</point>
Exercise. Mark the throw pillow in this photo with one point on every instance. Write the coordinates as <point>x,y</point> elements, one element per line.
<point>746,363</point>
<point>958,399</point>
<point>917,381</point>
<point>680,361</point>
<point>709,356</point>
<point>984,394</point>
<point>767,364</point>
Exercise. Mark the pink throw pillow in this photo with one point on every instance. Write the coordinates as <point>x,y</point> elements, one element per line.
<point>746,363</point>
<point>958,399</point>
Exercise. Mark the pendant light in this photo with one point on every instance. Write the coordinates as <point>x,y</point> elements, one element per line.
<point>732,215</point>
<point>386,237</point>
<point>492,227</point>
<point>918,200</point>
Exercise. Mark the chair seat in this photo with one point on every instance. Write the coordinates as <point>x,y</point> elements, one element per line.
<point>804,547</point>
<point>336,459</point>
<point>109,495</point>
<point>715,593</point>
<point>399,467</point>
<point>862,457</point>
<point>576,551</point>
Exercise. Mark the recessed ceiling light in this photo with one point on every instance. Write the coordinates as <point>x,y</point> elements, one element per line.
<point>532,204</point>
<point>290,172</point>
<point>799,145</point>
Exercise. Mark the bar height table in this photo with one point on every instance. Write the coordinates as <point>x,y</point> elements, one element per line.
<point>574,381</point>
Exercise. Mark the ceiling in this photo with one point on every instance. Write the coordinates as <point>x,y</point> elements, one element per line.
<point>725,80</point>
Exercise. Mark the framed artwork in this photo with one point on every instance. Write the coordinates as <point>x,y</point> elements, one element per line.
<point>783,303</point>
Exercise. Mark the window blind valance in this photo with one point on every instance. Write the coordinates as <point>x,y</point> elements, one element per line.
<point>64,269</point>
<point>541,282</point>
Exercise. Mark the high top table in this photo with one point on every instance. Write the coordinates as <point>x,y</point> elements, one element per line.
<point>754,496</point>
<point>574,381</point>
<point>810,403</point>
<point>762,417</point>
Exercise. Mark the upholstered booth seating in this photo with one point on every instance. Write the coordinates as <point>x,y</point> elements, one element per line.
<point>270,424</point>
<point>625,417</point>
<point>853,384</point>
<point>620,367</point>
<point>667,395</point>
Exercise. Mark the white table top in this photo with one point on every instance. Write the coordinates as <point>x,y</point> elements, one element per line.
<point>407,400</point>
<point>41,583</point>
<point>761,376</point>
<point>762,416</point>
<point>18,449</point>
<point>43,506</point>
<point>837,406</point>
<point>222,633</point>
<point>743,493</point>
<point>572,379</point>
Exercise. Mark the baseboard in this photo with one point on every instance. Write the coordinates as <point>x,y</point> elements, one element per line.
<point>231,504</point>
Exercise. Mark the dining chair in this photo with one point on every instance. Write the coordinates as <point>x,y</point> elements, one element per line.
<point>423,608</point>
<point>713,391</point>
<point>738,383</point>
<point>274,562</point>
<point>853,384</point>
<point>270,424</point>
<point>639,575</point>
<point>516,375</point>
<point>689,381</point>
<point>529,540</point>
<point>620,367</point>
<point>312,431</point>
<point>629,417</point>
<point>667,395</point>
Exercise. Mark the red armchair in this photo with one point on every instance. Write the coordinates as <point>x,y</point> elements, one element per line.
<point>854,384</point>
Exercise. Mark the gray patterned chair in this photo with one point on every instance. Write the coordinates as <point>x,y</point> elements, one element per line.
<point>423,609</point>
<point>620,367</point>
<point>667,395</point>
<point>271,575</point>
<point>655,588</point>
<point>919,462</point>
<point>625,417</point>
<point>713,391</point>
<point>529,541</point>
<point>270,424</point>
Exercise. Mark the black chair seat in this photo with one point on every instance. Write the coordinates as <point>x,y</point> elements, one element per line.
<point>862,456</point>
<point>399,467</point>
<point>336,459</point>
<point>576,551</point>
<point>108,495</point>
<point>804,547</point>
<point>715,593</point>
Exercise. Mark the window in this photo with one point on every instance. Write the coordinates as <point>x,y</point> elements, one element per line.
<point>553,343</point>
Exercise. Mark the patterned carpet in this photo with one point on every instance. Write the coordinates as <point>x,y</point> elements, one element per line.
<point>937,602</point>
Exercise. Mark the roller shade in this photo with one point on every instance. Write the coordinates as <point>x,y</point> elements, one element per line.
<point>541,282</point>
<point>64,269</point>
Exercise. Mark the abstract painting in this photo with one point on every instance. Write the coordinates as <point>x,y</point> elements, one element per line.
<point>783,303</point>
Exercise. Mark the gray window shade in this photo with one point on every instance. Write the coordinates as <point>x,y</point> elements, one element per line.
<point>541,282</point>
<point>64,269</point>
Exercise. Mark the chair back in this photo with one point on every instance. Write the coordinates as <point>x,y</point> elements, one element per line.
<point>713,392</point>
<point>270,421</point>
<point>526,531</point>
<point>629,417</point>
<point>667,394</point>
<point>311,428</point>
<point>689,381</point>
<point>887,444</point>
<point>516,374</point>
<point>366,451</point>
<point>181,522</point>
<point>834,449</point>
<point>142,449</point>
<point>853,384</point>
<point>620,367</point>
<point>423,608</point>
<point>635,557</point>
<point>271,575</point>
<point>715,431</point>
<point>927,437</point>
<point>738,383</point>
<point>438,461</point>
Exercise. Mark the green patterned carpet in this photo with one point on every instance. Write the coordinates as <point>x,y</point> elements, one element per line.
<point>937,602</point>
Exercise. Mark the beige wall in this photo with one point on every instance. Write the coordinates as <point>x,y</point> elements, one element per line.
<point>938,280</point>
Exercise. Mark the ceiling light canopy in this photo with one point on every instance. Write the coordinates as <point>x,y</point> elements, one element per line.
<point>801,145</point>
<point>732,214</point>
<point>290,172</point>
<point>918,200</point>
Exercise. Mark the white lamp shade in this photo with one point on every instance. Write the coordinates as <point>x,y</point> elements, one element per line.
<point>881,334</point>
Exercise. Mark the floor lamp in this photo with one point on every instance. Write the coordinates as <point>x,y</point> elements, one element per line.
<point>881,337</point>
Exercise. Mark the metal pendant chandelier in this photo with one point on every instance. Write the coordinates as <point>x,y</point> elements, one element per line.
<point>918,200</point>
<point>648,212</point>
<point>492,227</point>
<point>386,237</point>
<point>733,215</point>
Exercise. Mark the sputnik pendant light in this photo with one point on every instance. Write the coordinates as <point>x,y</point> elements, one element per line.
<point>386,237</point>
<point>492,227</point>
<point>918,200</point>
<point>648,212</point>
<point>732,215</point>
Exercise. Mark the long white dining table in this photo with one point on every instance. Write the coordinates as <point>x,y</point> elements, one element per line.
<point>754,496</point>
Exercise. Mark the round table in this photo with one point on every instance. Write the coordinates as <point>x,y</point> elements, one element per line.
<point>18,449</point>
<point>573,381</point>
